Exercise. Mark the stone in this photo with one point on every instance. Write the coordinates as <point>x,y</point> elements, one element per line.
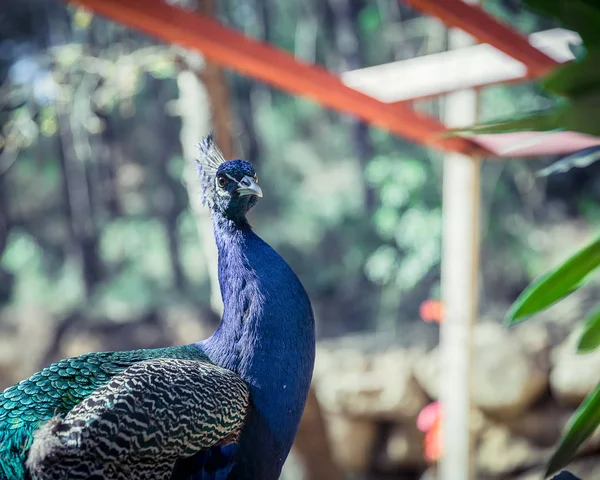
<point>585,468</point>
<point>381,388</point>
<point>507,378</point>
<point>312,446</point>
<point>352,441</point>
<point>330,360</point>
<point>573,375</point>
<point>184,324</point>
<point>429,474</point>
<point>30,326</point>
<point>427,372</point>
<point>537,340</point>
<point>500,452</point>
<point>542,425</point>
<point>402,449</point>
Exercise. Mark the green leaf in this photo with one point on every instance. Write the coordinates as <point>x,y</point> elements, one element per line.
<point>582,424</point>
<point>578,115</point>
<point>557,284</point>
<point>582,114</point>
<point>575,78</point>
<point>539,122</point>
<point>590,338</point>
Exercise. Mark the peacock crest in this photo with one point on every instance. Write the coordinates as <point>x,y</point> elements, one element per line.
<point>208,163</point>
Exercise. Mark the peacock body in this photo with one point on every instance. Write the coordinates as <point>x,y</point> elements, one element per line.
<point>224,408</point>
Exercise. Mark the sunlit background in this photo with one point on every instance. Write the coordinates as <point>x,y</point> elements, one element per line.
<point>100,249</point>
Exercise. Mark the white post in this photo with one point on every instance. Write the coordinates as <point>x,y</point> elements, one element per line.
<point>460,258</point>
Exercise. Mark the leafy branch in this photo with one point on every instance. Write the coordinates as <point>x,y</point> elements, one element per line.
<point>541,294</point>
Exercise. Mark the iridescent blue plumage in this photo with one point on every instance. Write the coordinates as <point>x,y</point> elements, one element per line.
<point>181,413</point>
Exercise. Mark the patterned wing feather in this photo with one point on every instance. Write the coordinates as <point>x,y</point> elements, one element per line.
<point>142,421</point>
<point>55,390</point>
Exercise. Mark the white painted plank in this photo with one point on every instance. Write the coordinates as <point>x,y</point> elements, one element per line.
<point>468,67</point>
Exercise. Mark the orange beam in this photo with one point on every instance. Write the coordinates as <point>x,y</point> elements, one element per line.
<point>274,66</point>
<point>486,29</point>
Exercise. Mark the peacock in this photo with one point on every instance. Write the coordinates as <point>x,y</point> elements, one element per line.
<point>226,407</point>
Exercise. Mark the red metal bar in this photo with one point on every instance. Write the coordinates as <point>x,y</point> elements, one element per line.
<point>486,29</point>
<point>274,66</point>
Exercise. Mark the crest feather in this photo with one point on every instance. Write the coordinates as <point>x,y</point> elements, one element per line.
<point>208,163</point>
<point>210,155</point>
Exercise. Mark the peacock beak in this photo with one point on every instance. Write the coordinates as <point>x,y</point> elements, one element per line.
<point>248,186</point>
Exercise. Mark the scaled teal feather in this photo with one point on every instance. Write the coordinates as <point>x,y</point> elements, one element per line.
<point>223,408</point>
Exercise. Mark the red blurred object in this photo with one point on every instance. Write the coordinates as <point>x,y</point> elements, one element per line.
<point>432,311</point>
<point>429,421</point>
<point>433,443</point>
<point>428,416</point>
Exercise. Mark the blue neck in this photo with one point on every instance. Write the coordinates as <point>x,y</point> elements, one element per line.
<point>266,335</point>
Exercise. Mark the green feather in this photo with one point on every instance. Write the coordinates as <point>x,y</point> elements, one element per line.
<point>56,390</point>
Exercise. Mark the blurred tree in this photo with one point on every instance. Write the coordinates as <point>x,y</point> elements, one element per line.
<point>94,219</point>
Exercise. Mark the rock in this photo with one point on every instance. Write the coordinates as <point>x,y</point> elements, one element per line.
<point>427,372</point>
<point>500,452</point>
<point>352,441</point>
<point>312,445</point>
<point>591,445</point>
<point>542,425</point>
<point>382,387</point>
<point>537,340</point>
<point>30,326</point>
<point>402,449</point>
<point>507,379</point>
<point>183,323</point>
<point>76,343</point>
<point>585,468</point>
<point>573,375</point>
<point>429,474</point>
<point>328,361</point>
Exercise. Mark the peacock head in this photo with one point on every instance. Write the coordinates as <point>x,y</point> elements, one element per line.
<point>229,187</point>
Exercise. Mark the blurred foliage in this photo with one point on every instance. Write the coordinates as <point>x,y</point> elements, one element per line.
<point>571,275</point>
<point>574,87</point>
<point>94,217</point>
<point>577,87</point>
<point>556,285</point>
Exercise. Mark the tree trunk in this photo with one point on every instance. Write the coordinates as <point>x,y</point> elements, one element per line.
<point>195,122</point>
<point>343,15</point>
<point>78,203</point>
<point>207,92</point>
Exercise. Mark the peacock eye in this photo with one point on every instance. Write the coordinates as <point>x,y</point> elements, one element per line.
<point>222,181</point>
<point>255,178</point>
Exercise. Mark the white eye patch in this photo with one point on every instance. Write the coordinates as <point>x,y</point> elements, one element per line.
<point>220,190</point>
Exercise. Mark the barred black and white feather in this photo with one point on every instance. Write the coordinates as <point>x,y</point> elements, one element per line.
<point>141,422</point>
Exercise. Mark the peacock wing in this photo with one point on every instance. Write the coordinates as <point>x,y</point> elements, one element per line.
<point>141,421</point>
<point>55,390</point>
<point>50,392</point>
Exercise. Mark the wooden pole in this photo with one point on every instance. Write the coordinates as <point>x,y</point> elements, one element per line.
<point>460,258</point>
